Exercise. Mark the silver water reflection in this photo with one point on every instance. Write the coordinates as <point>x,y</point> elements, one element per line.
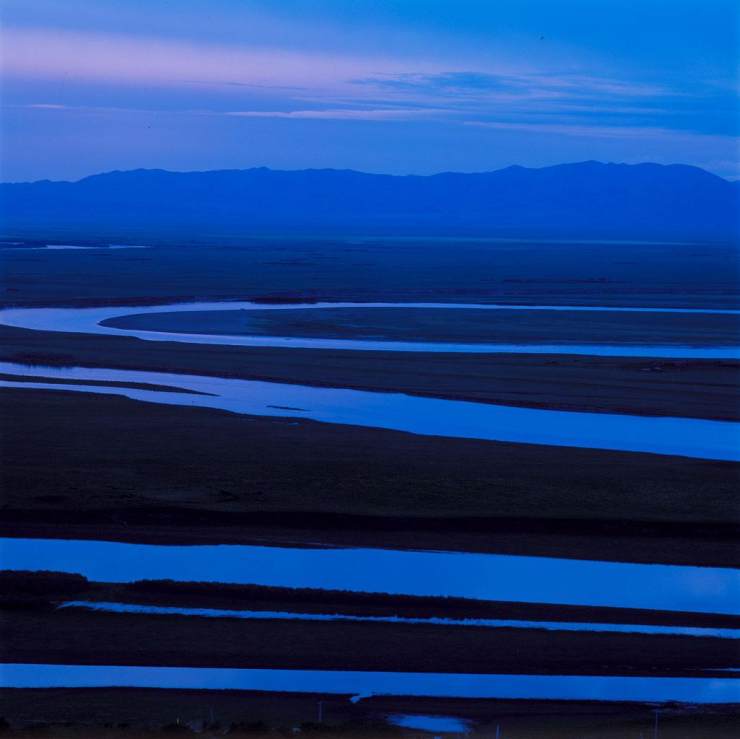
<point>482,576</point>
<point>366,684</point>
<point>491,623</point>
<point>688,437</point>
<point>88,320</point>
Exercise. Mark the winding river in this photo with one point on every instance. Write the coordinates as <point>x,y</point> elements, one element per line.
<point>482,576</point>
<point>689,437</point>
<point>91,321</point>
<point>698,438</point>
<point>479,576</point>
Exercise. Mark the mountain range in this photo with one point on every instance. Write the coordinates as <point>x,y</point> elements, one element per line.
<point>586,200</point>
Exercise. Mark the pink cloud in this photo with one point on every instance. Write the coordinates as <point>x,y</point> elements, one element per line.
<point>323,85</point>
<point>40,53</point>
<point>47,106</point>
<point>345,114</point>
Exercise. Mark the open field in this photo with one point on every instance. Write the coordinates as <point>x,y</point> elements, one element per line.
<point>448,269</point>
<point>139,471</point>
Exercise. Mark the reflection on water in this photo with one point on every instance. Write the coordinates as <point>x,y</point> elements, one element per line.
<point>689,437</point>
<point>88,320</point>
<point>353,683</point>
<point>89,247</point>
<point>482,576</point>
<point>429,723</point>
<point>492,623</point>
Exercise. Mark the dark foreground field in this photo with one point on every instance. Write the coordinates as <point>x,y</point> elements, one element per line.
<point>34,631</point>
<point>89,466</point>
<point>120,714</point>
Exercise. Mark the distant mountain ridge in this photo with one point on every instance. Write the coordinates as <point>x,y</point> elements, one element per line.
<point>582,200</point>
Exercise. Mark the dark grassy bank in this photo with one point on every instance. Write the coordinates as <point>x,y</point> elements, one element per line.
<point>81,636</point>
<point>136,471</point>
<point>96,383</point>
<point>696,388</point>
<point>108,713</point>
<point>45,590</point>
<point>453,325</point>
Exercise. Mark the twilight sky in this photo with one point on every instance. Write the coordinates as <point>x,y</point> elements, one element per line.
<point>401,86</point>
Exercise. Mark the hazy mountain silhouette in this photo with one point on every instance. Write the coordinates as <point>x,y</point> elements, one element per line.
<point>584,200</point>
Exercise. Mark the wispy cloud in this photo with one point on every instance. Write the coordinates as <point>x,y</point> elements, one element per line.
<point>101,57</point>
<point>253,82</point>
<point>522,84</point>
<point>529,100</point>
<point>415,86</point>
<point>47,106</point>
<point>343,114</point>
<point>39,53</point>
<point>592,131</point>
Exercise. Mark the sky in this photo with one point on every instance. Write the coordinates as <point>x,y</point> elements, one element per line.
<point>397,86</point>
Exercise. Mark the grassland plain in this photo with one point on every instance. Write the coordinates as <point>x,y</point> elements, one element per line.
<point>103,467</point>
